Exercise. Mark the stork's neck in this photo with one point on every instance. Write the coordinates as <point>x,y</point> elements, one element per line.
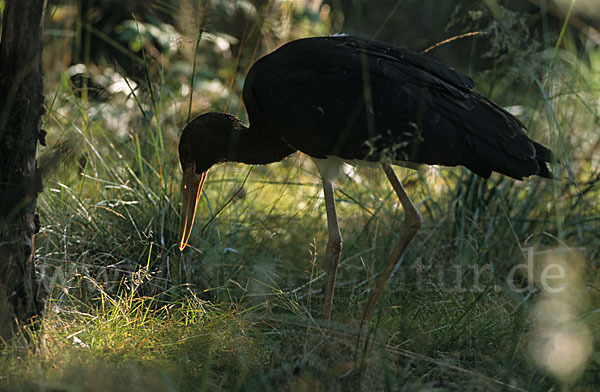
<point>219,137</point>
<point>256,145</point>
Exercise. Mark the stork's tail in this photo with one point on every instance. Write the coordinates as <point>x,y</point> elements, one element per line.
<point>501,145</point>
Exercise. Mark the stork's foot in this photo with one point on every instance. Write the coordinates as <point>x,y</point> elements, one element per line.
<point>412,223</point>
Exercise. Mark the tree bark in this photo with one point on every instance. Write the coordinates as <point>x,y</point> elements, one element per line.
<point>21,109</point>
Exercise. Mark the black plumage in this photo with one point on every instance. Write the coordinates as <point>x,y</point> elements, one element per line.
<point>357,99</point>
<point>343,96</point>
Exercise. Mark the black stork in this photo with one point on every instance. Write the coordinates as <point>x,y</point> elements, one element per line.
<point>343,98</point>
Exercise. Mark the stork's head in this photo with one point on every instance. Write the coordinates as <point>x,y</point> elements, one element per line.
<point>202,144</point>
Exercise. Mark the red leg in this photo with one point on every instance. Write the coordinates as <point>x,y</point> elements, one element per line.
<point>412,223</point>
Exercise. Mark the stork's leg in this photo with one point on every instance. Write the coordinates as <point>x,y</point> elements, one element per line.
<point>334,247</point>
<point>412,223</point>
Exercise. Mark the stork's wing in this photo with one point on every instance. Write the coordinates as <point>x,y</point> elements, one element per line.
<point>360,99</point>
<point>423,67</point>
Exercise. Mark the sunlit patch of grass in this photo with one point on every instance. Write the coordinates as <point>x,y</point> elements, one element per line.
<point>133,344</point>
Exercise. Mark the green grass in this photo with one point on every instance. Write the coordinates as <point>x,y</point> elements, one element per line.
<point>240,308</point>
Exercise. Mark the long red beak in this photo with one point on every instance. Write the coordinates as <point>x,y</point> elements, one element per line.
<point>192,188</point>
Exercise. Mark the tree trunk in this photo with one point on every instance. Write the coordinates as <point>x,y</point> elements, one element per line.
<point>21,109</point>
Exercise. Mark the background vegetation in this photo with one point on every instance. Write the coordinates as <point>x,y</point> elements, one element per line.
<point>239,310</point>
